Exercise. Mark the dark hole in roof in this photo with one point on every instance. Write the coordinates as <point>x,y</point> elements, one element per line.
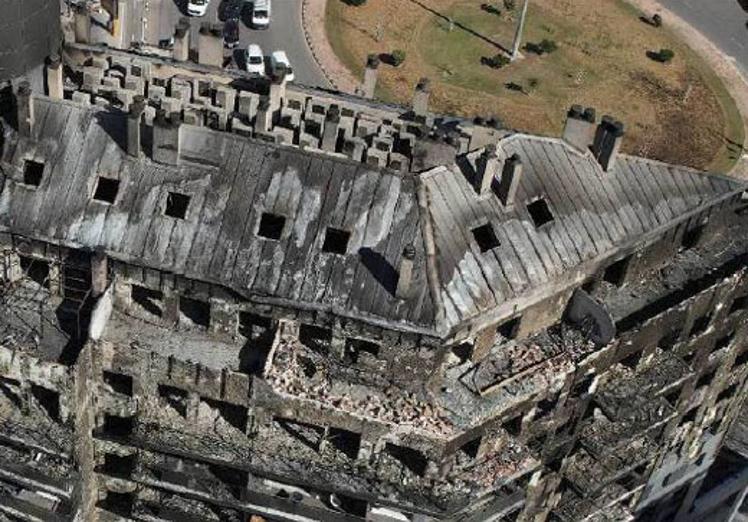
<point>106,190</point>
<point>176,205</point>
<point>336,241</point>
<point>271,226</point>
<point>32,173</point>
<point>485,237</point>
<point>540,212</point>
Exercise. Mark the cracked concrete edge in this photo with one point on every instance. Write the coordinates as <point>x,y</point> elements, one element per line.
<point>723,65</point>
<point>313,24</point>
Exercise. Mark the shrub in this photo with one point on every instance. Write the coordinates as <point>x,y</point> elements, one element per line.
<point>548,46</point>
<point>495,62</point>
<point>662,56</point>
<point>657,20</point>
<point>355,2</point>
<point>398,57</point>
<point>509,5</point>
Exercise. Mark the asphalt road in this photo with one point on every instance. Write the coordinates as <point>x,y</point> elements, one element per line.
<point>722,21</point>
<point>285,33</point>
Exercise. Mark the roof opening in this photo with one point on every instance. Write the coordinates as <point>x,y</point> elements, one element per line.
<point>691,237</point>
<point>540,212</point>
<point>32,173</point>
<point>485,237</point>
<point>509,329</point>
<point>271,226</point>
<point>615,274</point>
<point>336,241</point>
<point>176,205</point>
<point>106,190</point>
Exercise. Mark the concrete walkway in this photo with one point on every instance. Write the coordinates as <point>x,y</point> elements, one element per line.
<point>313,20</point>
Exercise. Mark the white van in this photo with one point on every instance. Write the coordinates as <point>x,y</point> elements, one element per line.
<point>197,7</point>
<point>261,14</point>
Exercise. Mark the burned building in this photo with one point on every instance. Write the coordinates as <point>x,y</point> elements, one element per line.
<point>224,299</point>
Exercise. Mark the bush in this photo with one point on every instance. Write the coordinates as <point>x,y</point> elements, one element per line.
<point>662,56</point>
<point>355,2</point>
<point>509,5</point>
<point>657,20</point>
<point>548,46</point>
<point>495,62</point>
<point>398,57</point>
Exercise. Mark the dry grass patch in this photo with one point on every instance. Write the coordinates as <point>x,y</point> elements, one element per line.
<point>678,112</point>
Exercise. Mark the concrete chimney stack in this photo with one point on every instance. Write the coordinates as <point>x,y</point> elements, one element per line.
<point>24,109</point>
<point>370,76</point>
<point>487,167</point>
<point>210,45</point>
<point>99,272</point>
<point>607,144</point>
<point>421,97</point>
<point>54,77</point>
<point>405,279</point>
<point>330,133</point>
<point>166,133</point>
<point>181,50</point>
<point>511,176</point>
<point>579,131</point>
<point>264,120</point>
<point>134,119</point>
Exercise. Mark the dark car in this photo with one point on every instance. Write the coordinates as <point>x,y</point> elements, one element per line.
<point>231,33</point>
<point>230,10</point>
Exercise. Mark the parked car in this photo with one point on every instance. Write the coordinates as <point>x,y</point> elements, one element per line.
<point>255,60</point>
<point>280,58</point>
<point>261,11</point>
<point>197,7</point>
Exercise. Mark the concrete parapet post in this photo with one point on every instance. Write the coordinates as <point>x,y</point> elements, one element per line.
<point>181,51</point>
<point>421,97</point>
<point>134,120</point>
<point>24,109</point>
<point>54,77</point>
<point>370,76</point>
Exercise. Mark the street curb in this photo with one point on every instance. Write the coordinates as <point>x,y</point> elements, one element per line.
<point>310,44</point>
<point>349,84</point>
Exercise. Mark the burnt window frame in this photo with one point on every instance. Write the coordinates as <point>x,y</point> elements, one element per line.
<point>108,185</point>
<point>177,205</point>
<point>540,213</point>
<point>334,237</point>
<point>271,226</point>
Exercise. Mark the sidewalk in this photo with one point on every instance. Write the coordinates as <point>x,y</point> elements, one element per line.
<point>313,20</point>
<point>723,66</point>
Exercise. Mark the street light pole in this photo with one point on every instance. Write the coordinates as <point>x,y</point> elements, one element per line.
<point>520,29</point>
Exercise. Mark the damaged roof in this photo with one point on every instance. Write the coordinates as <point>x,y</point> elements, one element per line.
<point>231,181</point>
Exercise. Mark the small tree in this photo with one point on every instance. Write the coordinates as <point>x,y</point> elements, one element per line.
<point>509,5</point>
<point>496,61</point>
<point>355,2</point>
<point>663,55</point>
<point>547,46</point>
<point>398,57</point>
<point>657,20</point>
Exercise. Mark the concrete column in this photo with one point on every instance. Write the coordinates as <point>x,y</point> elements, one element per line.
<point>24,109</point>
<point>166,138</point>
<point>510,178</point>
<point>134,121</point>
<point>579,131</point>
<point>607,144</point>
<point>82,24</point>
<point>370,76</point>
<point>99,272</point>
<point>486,169</point>
<point>405,279</point>
<point>330,134</point>
<point>210,45</point>
<point>54,77</point>
<point>277,92</point>
<point>264,120</point>
<point>421,97</point>
<point>181,51</point>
